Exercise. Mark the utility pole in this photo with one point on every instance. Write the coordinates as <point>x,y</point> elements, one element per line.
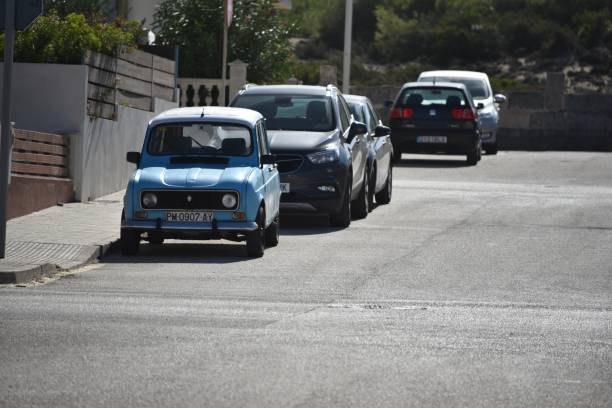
<point>228,13</point>
<point>348,28</point>
<point>5,137</point>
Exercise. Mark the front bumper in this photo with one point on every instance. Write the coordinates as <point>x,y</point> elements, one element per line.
<point>305,195</point>
<point>177,230</point>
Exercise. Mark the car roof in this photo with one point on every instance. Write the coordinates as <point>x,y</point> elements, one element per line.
<point>427,84</point>
<point>355,98</point>
<point>454,74</point>
<point>241,116</point>
<point>286,90</point>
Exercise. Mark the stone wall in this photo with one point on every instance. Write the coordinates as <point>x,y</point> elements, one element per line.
<point>554,120</point>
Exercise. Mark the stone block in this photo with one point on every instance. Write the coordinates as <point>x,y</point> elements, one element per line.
<point>525,100</point>
<point>555,90</point>
<point>547,121</point>
<point>515,118</point>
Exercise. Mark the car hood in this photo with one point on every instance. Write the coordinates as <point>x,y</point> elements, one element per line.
<point>193,177</point>
<point>299,140</point>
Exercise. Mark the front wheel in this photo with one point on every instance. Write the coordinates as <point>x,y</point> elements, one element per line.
<point>130,242</point>
<point>492,148</point>
<point>255,241</point>
<point>384,196</point>
<point>361,206</point>
<point>342,218</point>
<point>272,233</point>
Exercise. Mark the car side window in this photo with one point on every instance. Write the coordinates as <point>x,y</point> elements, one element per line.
<point>374,119</point>
<point>261,140</point>
<point>344,113</point>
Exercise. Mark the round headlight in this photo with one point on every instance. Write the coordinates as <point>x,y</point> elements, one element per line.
<point>149,200</point>
<point>229,200</point>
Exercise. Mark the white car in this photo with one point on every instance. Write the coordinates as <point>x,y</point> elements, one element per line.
<point>479,86</point>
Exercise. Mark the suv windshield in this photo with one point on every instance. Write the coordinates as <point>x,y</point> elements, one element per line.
<point>291,112</point>
<point>477,87</point>
<point>200,139</point>
<point>416,97</point>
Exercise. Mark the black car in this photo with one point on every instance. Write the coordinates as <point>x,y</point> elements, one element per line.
<point>380,149</point>
<point>435,117</point>
<point>321,151</point>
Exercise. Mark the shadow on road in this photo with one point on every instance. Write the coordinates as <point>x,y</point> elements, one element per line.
<point>182,252</point>
<point>306,224</point>
<point>431,163</point>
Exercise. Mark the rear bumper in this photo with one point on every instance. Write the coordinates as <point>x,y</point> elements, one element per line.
<point>458,142</point>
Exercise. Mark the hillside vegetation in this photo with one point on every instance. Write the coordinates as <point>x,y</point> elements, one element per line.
<point>516,39</point>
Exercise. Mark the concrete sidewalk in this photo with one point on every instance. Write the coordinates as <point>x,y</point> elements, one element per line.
<point>60,238</point>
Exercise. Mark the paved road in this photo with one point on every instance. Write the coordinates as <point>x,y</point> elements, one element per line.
<point>487,286</point>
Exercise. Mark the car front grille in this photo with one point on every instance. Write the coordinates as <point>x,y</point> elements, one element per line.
<point>287,163</point>
<point>190,199</point>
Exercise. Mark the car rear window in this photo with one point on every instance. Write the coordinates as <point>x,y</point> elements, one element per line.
<point>291,112</point>
<point>200,139</point>
<point>416,97</point>
<point>477,87</point>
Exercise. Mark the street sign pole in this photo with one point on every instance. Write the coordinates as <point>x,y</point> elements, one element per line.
<point>5,137</point>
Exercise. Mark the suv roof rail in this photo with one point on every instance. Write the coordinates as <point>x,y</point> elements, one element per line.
<point>247,86</point>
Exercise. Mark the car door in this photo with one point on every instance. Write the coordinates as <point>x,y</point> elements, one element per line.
<point>382,147</point>
<point>270,175</point>
<point>358,148</point>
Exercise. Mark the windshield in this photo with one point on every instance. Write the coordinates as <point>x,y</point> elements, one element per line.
<point>477,87</point>
<point>417,97</point>
<point>356,111</point>
<point>200,139</point>
<point>291,112</point>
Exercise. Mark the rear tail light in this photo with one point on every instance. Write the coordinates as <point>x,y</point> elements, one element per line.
<point>463,114</point>
<point>401,113</point>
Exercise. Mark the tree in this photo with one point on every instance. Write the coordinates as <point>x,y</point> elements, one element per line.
<point>258,36</point>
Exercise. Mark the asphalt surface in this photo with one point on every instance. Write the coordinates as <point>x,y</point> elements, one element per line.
<point>486,286</point>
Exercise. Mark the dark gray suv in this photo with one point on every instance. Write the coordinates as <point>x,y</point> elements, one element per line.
<point>321,151</point>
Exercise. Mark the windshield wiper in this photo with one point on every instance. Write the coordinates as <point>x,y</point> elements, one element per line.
<point>199,159</point>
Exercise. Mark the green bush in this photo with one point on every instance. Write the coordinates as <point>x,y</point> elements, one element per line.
<point>62,41</point>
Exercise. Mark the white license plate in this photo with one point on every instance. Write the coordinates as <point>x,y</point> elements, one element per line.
<point>431,139</point>
<point>189,216</point>
<point>284,187</point>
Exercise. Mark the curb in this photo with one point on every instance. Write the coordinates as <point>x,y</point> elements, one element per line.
<point>46,270</point>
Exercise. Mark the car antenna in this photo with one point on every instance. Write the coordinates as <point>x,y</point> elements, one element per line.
<point>202,115</point>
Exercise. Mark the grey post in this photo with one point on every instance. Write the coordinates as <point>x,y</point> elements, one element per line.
<point>5,143</point>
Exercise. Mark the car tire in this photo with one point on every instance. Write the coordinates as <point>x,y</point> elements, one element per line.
<point>342,218</point>
<point>129,242</point>
<point>360,207</point>
<point>491,149</point>
<point>155,239</point>
<point>384,196</point>
<point>272,233</point>
<point>371,191</point>
<point>472,157</point>
<point>255,240</point>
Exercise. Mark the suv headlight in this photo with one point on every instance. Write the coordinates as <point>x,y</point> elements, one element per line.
<point>149,200</point>
<point>323,157</point>
<point>229,200</point>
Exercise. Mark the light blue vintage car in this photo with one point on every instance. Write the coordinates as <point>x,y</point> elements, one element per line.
<point>203,173</point>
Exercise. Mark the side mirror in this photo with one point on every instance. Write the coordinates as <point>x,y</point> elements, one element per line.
<point>499,98</point>
<point>133,157</point>
<point>388,104</point>
<point>357,128</point>
<point>382,130</point>
<point>480,106</point>
<point>268,159</point>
